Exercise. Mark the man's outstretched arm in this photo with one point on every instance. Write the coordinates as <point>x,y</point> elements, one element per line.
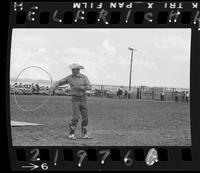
<point>60,83</point>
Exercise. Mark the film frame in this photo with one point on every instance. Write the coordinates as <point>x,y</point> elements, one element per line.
<point>109,158</point>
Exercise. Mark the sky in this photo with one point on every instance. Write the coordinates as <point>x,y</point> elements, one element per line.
<point>162,57</point>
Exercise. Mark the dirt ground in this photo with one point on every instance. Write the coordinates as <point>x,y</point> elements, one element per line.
<point>112,122</point>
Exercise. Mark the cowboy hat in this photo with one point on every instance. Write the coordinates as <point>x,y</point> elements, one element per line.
<point>76,66</point>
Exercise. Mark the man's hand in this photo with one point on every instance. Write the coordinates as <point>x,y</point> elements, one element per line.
<point>81,87</point>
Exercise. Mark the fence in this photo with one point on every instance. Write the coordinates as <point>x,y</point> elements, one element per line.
<point>148,94</point>
<point>145,93</point>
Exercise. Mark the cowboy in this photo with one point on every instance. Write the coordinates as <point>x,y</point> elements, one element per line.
<point>79,84</point>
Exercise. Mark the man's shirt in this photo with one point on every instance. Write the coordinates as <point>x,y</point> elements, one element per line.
<point>76,81</point>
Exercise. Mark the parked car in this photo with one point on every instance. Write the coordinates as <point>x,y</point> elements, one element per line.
<point>60,92</point>
<point>44,92</point>
<point>27,89</point>
<point>19,90</point>
<point>68,92</point>
<point>12,90</point>
<point>88,92</point>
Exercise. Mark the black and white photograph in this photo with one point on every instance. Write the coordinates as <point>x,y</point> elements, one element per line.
<point>100,87</point>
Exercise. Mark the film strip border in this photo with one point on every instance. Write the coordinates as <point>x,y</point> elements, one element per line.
<point>99,158</point>
<point>147,14</point>
<point>160,14</point>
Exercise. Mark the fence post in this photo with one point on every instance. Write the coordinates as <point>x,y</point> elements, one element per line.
<point>152,93</point>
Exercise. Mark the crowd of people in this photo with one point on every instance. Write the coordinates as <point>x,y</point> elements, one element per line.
<point>184,97</point>
<point>123,94</point>
<point>178,96</point>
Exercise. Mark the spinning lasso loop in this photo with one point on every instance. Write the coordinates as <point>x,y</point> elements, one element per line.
<point>38,107</point>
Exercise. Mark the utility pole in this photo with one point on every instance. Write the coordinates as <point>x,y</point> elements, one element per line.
<point>131,49</point>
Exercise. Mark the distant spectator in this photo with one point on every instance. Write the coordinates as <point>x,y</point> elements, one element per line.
<point>139,93</point>
<point>120,93</point>
<point>183,96</point>
<point>129,94</point>
<point>104,93</point>
<point>187,97</point>
<point>107,93</point>
<point>53,93</point>
<point>176,96</point>
<point>37,89</point>
<point>32,88</point>
<point>95,92</point>
<point>126,94</point>
<point>117,93</point>
<point>162,96</point>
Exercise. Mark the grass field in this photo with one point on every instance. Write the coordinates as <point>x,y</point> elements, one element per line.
<point>111,122</point>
